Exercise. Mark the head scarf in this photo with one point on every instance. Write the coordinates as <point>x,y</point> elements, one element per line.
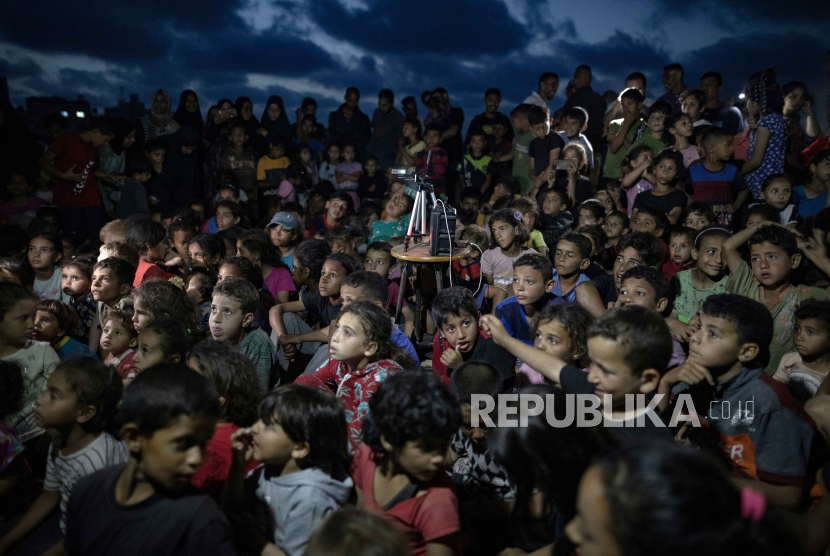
<point>156,125</point>
<point>250,125</point>
<point>282,127</point>
<point>185,118</point>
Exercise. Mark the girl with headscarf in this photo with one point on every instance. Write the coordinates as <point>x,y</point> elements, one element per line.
<point>160,119</point>
<point>245,115</point>
<point>274,120</point>
<point>188,114</point>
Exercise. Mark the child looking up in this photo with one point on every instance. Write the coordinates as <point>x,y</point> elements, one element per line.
<point>361,356</point>
<point>616,226</point>
<point>692,103</point>
<point>396,221</point>
<point>396,472</point>
<point>809,364</point>
<point>459,340</point>
<point>681,244</point>
<point>119,340</point>
<point>206,251</point>
<point>590,213</point>
<point>654,131</point>
<point>164,340</point>
<point>18,307</point>
<point>726,357</point>
<point>256,247</point>
<point>774,255</point>
<point>776,192</point>
<point>45,254</point>
<point>234,377</point>
<point>680,130</point>
<point>812,197</point>
<point>300,438</point>
<point>767,142</point>
<point>555,219</point>
<point>81,400</point>
<point>228,215</point>
<point>53,322</point>
<point>339,205</point>
<point>111,510</point>
<point>231,317</point>
<point>112,281</point>
<point>533,284</point>
<point>508,238</point>
<point>545,149</point>
<point>328,168</point>
<point>150,240</point>
<point>667,169</point>
<point>76,282</point>
<point>574,122</point>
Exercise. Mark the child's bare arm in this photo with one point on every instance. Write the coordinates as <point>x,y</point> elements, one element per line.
<point>321,335</point>
<point>633,176</point>
<point>544,363</point>
<point>761,142</point>
<point>815,535</point>
<point>741,198</point>
<point>588,296</point>
<point>732,244</point>
<point>277,311</point>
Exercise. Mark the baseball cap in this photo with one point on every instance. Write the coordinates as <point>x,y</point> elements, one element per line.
<point>284,219</point>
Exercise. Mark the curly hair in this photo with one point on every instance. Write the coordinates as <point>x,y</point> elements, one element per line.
<point>161,298</point>
<point>95,384</point>
<point>12,389</point>
<point>410,406</point>
<point>174,338</point>
<point>234,377</point>
<point>576,321</point>
<point>377,328</point>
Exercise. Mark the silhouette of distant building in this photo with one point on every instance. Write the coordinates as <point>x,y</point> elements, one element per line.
<point>131,110</point>
<point>78,112</point>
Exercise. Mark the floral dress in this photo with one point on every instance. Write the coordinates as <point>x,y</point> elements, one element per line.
<point>773,162</point>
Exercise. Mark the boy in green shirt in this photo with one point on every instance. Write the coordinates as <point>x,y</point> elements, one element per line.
<point>622,133</point>
<point>521,147</point>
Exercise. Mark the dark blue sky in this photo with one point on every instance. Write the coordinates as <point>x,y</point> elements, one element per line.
<point>297,48</point>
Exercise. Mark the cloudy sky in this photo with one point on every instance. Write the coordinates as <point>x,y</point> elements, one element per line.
<point>297,48</point>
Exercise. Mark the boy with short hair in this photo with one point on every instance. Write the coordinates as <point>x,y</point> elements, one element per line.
<point>471,201</point>
<point>776,191</point>
<point>148,506</point>
<point>533,285</point>
<point>228,215</point>
<point>681,243</point>
<point>521,147</point>
<point>654,221</point>
<point>150,240</point>
<point>118,340</point>
<point>112,280</point>
<point>379,259</point>
<point>474,168</point>
<point>629,348</point>
<point>545,149</point>
<point>714,182</point>
<point>133,194</point>
<point>774,255</point>
<point>231,317</point>
<point>179,234</point>
<point>571,257</point>
<point>623,133</point>
<point>459,340</point>
<point>769,444</point>
<point>555,219</point>
<point>438,163</point>
<point>651,134</point>
<point>372,184</point>
<point>339,205</point>
<point>239,160</point>
<point>809,364</point>
<point>573,123</point>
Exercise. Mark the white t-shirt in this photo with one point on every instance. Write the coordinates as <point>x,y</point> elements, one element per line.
<point>38,361</point>
<point>51,288</point>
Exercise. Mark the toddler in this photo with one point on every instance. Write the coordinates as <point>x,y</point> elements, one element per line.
<point>328,168</point>
<point>681,243</point>
<point>119,340</point>
<point>76,282</point>
<point>164,340</point>
<point>809,364</point>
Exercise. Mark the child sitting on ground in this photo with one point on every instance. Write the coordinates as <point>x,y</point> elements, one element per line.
<point>681,244</point>
<point>459,340</point>
<point>616,226</point>
<point>206,251</point>
<point>256,247</point>
<point>533,284</point>
<point>468,270</point>
<point>300,438</point>
<point>234,377</point>
<point>571,258</point>
<point>119,340</point>
<point>150,240</point>
<point>339,205</point>
<point>776,192</point>
<point>160,298</point>
<point>81,400</point>
<point>697,216</point>
<point>411,419</point>
<point>164,340</point>
<point>199,290</point>
<point>665,196</point>
<point>809,364</point>
<point>530,213</point>
<point>507,245</point>
<point>361,356</point>
<point>771,451</point>
<point>812,196</point>
<point>556,219</point>
<point>76,281</point>
<point>45,255</point>
<point>53,322</point>
<point>228,215</point>
<point>231,316</point>
<point>112,282</point>
<point>114,510</point>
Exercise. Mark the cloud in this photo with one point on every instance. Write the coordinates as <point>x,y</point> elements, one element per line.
<point>742,13</point>
<point>25,67</point>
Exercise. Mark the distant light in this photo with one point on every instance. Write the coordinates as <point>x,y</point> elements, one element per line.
<point>64,113</point>
<point>741,96</point>
<point>80,114</point>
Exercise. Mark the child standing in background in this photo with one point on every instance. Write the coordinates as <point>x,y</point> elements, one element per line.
<point>767,142</point>
<point>328,168</point>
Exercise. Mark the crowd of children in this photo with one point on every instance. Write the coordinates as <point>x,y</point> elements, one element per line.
<point>227,362</point>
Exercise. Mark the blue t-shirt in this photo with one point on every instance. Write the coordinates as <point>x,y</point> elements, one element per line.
<point>68,347</point>
<point>571,295</point>
<point>289,261</point>
<point>400,340</point>
<point>809,207</point>
<point>512,315</point>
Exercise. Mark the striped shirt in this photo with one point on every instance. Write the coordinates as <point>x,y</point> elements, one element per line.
<point>62,472</point>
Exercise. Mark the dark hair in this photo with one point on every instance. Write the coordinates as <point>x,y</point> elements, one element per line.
<point>541,456</point>
<point>373,285</point>
<point>635,153</point>
<point>310,415</point>
<point>182,225</point>
<point>637,75</point>
<point>208,281</point>
<point>813,309</point>
<point>711,231</point>
<point>651,275</point>
<point>377,328</point>
<point>24,272</point>
<point>775,235</point>
<point>239,290</point>
<point>123,270</point>
<point>508,216</point>
<point>717,77</point>
<point>123,318</point>
<point>453,302</point>
<point>414,122</point>
<point>350,531</point>
<point>646,245</point>
<point>144,233</point>
<point>348,262</point>
<point>677,158</point>
<point>770,179</point>
<point>12,388</point>
<point>753,322</point>
<point>538,115</point>
<point>311,254</point>
<point>616,214</point>
<point>233,374</point>
<point>582,243</point>
<point>229,187</point>
<point>410,406</point>
<point>702,209</point>
<point>381,245</point>
<point>11,294</point>
<point>548,75</point>
<point>642,334</point>
<point>492,91</point>
<point>472,193</point>
<point>65,314</point>
<point>82,265</point>
<point>688,233</point>
<point>174,338</point>
<point>520,110</point>
<point>54,239</point>
<point>576,320</point>
<point>594,206</point>
<point>712,134</point>
<point>763,89</point>
<point>157,144</point>
<point>346,198</point>
<point>577,113</point>
<point>820,157</point>
<point>595,233</point>
<point>257,241</point>
<point>103,125</point>
<point>510,183</point>
<point>538,263</point>
<point>792,86</point>
<point>660,218</point>
<point>161,297</point>
<point>233,206</point>
<point>634,94</point>
<point>666,499</point>
<point>697,94</point>
<point>210,243</point>
<point>338,233</point>
<point>165,392</point>
<point>475,377</point>
<point>762,209</point>
<point>138,164</point>
<point>96,384</point>
<point>562,194</point>
<point>250,271</point>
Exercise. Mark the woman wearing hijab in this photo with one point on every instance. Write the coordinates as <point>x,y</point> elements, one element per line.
<point>245,114</point>
<point>274,120</point>
<point>160,119</point>
<point>188,113</point>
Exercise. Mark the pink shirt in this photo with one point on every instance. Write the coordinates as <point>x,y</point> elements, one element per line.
<point>279,281</point>
<point>637,188</point>
<point>287,192</point>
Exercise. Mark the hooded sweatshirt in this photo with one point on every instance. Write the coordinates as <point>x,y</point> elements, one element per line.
<point>298,503</point>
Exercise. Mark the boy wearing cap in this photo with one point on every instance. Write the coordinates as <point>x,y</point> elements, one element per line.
<point>285,235</point>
